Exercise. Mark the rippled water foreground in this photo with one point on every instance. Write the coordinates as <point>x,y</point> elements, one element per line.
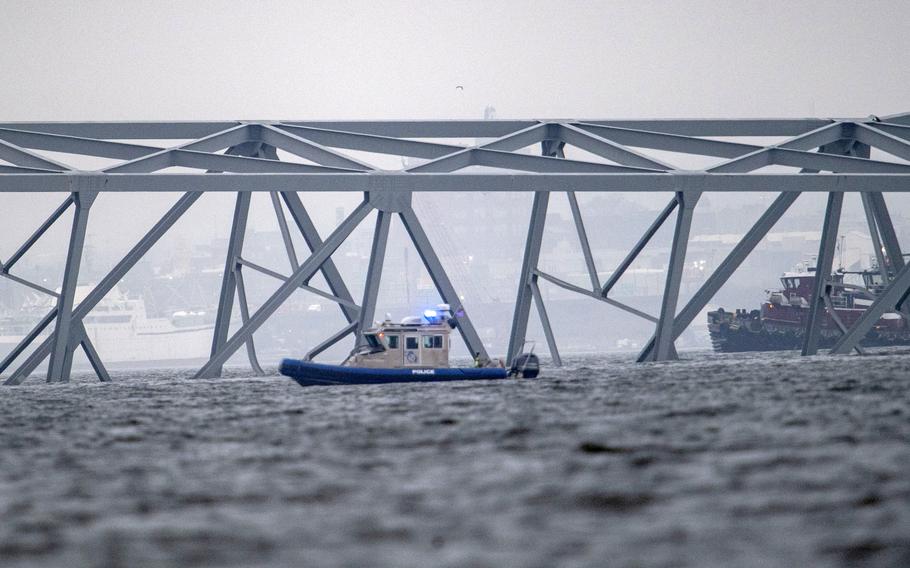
<point>756,460</point>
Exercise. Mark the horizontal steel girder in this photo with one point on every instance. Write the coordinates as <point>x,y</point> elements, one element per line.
<point>494,162</point>
<point>427,128</point>
<point>638,182</point>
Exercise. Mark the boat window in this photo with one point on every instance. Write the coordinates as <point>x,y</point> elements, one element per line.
<point>373,341</point>
<point>432,342</point>
<point>410,342</point>
<point>393,341</point>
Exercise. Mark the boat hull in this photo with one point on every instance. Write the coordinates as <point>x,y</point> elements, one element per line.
<point>306,373</point>
<point>734,332</point>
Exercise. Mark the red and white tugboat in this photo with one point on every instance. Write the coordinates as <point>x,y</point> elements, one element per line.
<point>781,320</point>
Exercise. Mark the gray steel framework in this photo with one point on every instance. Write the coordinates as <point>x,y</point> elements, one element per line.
<point>832,156</point>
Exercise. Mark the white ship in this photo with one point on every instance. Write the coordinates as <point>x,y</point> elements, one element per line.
<point>121,330</point>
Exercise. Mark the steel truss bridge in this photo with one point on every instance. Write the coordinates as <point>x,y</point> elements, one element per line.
<point>241,157</point>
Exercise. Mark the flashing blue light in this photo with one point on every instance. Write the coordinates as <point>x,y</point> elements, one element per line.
<point>429,314</point>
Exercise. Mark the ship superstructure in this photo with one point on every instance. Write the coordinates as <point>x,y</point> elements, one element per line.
<point>780,322</point>
<point>122,330</point>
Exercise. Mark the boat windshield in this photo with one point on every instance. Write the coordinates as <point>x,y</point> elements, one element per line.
<point>374,342</point>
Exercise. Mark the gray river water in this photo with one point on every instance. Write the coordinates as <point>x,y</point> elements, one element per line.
<point>745,460</point>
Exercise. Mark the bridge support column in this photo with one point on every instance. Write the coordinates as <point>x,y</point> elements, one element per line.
<point>285,232</point>
<point>527,282</point>
<point>823,267</point>
<point>528,266</point>
<point>864,151</point>
<point>663,336</point>
<point>61,362</point>
<point>374,273</point>
<point>244,318</point>
<point>544,321</point>
<point>873,208</point>
<point>229,277</point>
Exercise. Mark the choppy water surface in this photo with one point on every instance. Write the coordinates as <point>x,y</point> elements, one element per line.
<point>751,460</point>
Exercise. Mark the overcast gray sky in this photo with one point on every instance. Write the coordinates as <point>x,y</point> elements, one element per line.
<point>100,60</point>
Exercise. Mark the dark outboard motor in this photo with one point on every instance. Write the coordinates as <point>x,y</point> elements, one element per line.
<point>525,366</point>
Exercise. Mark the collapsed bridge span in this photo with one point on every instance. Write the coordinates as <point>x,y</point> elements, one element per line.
<point>833,156</point>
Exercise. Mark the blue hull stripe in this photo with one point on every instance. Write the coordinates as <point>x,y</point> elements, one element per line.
<point>312,374</point>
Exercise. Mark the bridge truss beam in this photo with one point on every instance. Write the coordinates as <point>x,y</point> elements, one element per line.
<point>288,158</point>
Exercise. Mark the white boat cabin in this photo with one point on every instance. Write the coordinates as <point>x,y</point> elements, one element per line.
<point>415,343</point>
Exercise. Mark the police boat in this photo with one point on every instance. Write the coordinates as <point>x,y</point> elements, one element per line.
<point>416,350</point>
